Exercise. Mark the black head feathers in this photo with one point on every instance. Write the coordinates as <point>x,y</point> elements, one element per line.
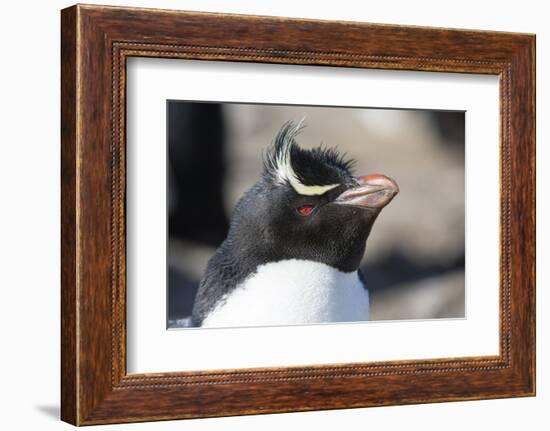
<point>308,172</point>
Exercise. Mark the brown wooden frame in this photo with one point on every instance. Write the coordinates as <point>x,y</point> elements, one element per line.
<point>95,43</point>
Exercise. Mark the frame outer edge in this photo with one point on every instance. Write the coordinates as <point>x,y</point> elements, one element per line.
<point>523,217</point>
<point>69,201</point>
<point>531,127</point>
<point>533,56</point>
<point>529,62</point>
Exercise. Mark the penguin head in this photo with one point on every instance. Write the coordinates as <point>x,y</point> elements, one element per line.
<point>308,205</point>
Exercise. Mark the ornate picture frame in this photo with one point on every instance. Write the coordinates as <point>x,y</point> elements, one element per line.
<point>96,41</point>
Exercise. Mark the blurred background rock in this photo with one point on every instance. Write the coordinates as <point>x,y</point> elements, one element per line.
<point>414,262</point>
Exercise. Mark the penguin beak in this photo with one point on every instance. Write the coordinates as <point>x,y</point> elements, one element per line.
<point>372,191</point>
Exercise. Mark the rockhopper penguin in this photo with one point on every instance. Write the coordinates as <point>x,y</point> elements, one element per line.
<point>295,242</point>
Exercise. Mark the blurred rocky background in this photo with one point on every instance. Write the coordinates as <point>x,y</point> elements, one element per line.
<point>414,262</point>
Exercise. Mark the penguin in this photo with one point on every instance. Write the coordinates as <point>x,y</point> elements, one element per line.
<point>295,242</point>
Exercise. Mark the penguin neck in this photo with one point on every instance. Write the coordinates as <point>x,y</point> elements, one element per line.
<point>251,249</point>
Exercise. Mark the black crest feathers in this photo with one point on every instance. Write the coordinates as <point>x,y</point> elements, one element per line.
<point>313,171</point>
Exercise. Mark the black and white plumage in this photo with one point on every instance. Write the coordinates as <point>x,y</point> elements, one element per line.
<point>295,242</point>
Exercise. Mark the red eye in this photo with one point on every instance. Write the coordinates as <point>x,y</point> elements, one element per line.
<point>305,210</point>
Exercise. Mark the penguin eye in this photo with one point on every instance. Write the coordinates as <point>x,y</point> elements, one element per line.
<point>305,210</point>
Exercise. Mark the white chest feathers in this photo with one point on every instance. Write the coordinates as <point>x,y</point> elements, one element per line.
<point>292,292</point>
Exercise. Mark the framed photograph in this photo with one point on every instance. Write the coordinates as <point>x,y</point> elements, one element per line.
<point>264,214</point>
